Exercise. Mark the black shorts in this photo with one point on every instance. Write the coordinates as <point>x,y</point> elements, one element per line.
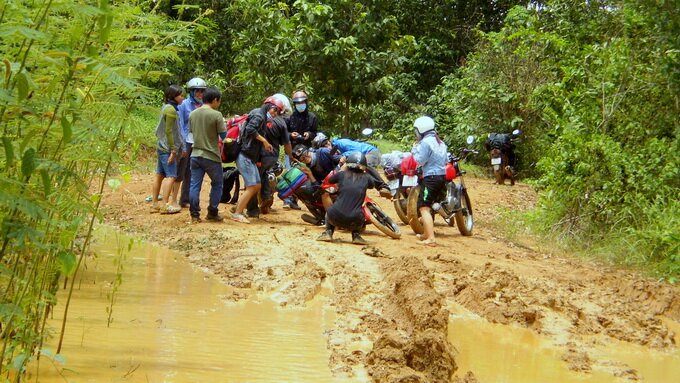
<point>433,189</point>
<point>182,168</point>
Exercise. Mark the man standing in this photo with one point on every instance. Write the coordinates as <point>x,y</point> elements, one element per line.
<point>302,126</point>
<point>206,124</point>
<point>253,143</point>
<point>196,88</point>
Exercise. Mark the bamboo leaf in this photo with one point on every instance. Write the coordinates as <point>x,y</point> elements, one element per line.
<point>22,85</point>
<point>9,152</point>
<point>47,182</point>
<point>28,162</point>
<point>67,262</point>
<point>10,309</point>
<point>67,129</point>
<point>8,70</point>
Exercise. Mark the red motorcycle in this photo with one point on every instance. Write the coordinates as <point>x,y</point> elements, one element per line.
<point>310,195</point>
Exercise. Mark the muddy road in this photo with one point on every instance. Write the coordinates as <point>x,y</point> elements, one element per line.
<point>395,297</point>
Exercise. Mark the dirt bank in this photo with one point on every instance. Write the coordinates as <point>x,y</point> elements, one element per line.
<point>392,297</point>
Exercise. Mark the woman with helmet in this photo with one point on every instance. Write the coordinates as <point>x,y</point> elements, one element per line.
<point>302,124</point>
<point>346,212</point>
<point>196,88</point>
<point>253,142</point>
<point>431,154</point>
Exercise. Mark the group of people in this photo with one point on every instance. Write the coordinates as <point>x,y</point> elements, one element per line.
<point>191,129</point>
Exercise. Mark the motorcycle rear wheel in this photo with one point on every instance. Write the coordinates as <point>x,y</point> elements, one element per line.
<point>412,212</point>
<point>464,219</point>
<point>382,221</point>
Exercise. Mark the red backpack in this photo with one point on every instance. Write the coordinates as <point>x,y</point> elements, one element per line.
<point>231,146</point>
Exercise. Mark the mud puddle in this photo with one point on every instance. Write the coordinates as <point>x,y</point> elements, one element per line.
<point>508,354</point>
<point>170,322</point>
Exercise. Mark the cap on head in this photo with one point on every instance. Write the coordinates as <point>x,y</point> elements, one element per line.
<point>423,124</point>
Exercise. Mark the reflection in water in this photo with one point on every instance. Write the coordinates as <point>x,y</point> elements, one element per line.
<point>170,325</point>
<point>505,354</point>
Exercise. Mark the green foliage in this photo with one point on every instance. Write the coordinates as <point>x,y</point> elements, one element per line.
<point>594,88</point>
<point>72,74</point>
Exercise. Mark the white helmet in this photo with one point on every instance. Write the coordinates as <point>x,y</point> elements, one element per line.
<point>423,124</point>
<point>287,111</point>
<point>196,83</point>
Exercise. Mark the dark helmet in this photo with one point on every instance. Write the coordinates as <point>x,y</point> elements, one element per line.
<point>277,169</point>
<point>299,96</point>
<point>299,150</point>
<point>276,102</point>
<point>319,140</point>
<point>356,160</point>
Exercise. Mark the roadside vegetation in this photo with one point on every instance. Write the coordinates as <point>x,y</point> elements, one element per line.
<point>593,85</point>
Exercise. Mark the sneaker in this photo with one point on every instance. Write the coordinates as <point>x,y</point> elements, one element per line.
<point>214,218</point>
<point>358,240</point>
<point>239,218</point>
<point>312,219</point>
<point>286,205</point>
<point>326,236</point>
<point>195,219</point>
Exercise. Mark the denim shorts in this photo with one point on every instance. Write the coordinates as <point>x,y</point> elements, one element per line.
<point>162,167</point>
<point>248,170</point>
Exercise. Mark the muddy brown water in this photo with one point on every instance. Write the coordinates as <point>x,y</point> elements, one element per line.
<point>172,323</point>
<point>506,354</point>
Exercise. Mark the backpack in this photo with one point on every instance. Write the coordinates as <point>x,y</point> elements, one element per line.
<point>289,181</point>
<point>231,145</point>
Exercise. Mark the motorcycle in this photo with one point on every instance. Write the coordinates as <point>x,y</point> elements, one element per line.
<point>456,206</point>
<point>401,177</point>
<point>310,195</point>
<point>499,145</point>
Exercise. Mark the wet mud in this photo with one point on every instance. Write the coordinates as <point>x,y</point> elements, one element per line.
<point>392,298</point>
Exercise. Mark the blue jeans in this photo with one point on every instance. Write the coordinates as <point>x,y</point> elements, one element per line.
<point>199,167</point>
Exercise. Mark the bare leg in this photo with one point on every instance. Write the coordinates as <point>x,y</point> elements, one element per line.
<point>174,193</point>
<point>155,190</point>
<point>250,192</point>
<point>326,200</point>
<point>166,189</point>
<point>428,223</point>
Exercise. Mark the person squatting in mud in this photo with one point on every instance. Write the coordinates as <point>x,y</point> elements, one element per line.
<point>431,154</point>
<point>346,212</point>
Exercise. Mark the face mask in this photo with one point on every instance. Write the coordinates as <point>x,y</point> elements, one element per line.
<point>300,107</point>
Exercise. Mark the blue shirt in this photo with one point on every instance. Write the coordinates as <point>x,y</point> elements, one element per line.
<point>185,108</point>
<point>431,155</point>
<point>345,146</point>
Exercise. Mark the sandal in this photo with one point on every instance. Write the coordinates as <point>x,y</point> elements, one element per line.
<point>169,209</point>
<point>154,209</point>
<point>427,242</point>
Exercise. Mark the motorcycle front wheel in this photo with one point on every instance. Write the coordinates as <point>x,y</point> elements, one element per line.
<point>382,221</point>
<point>400,206</point>
<point>464,219</point>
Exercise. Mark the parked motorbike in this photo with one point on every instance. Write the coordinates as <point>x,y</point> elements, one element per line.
<point>310,195</point>
<point>456,206</point>
<point>500,147</point>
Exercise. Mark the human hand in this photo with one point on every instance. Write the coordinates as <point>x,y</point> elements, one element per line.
<point>268,147</point>
<point>294,135</point>
<point>306,135</point>
<point>171,158</point>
